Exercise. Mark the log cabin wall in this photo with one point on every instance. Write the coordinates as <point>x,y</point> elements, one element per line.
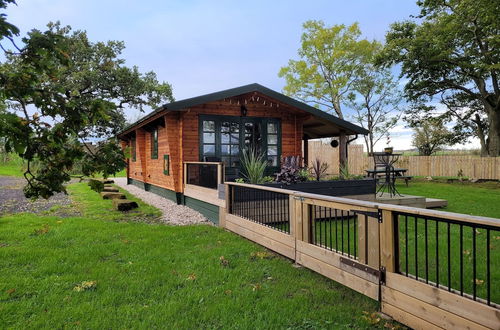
<point>291,125</point>
<point>148,170</point>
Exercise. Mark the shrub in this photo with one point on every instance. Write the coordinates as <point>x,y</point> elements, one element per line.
<point>96,185</point>
<point>319,169</point>
<point>290,170</point>
<point>254,165</point>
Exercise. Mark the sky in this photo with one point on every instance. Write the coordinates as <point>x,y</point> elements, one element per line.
<point>201,47</point>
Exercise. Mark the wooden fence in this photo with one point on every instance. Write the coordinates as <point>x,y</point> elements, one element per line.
<point>469,166</point>
<point>411,260</point>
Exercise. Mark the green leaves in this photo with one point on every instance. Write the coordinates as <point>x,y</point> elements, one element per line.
<point>79,90</point>
<point>331,59</point>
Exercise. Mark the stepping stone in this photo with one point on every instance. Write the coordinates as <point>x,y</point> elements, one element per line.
<point>110,189</point>
<point>107,181</point>
<point>124,205</point>
<point>112,195</point>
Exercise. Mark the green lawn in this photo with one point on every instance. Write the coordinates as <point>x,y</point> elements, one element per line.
<point>468,198</point>
<point>156,276</point>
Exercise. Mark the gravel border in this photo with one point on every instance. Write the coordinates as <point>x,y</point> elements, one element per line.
<point>173,214</point>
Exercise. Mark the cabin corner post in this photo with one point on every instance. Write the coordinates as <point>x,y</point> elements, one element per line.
<point>342,151</point>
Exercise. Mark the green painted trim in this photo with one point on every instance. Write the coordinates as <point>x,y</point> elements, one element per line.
<point>166,164</point>
<point>154,143</point>
<point>160,191</point>
<point>210,211</point>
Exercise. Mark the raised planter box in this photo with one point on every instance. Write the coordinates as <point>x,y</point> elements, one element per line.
<point>332,188</point>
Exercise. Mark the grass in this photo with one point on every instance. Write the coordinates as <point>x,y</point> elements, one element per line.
<point>463,197</point>
<point>104,270</point>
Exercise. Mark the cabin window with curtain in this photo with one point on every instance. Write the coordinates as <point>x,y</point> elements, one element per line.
<point>154,144</point>
<point>133,151</point>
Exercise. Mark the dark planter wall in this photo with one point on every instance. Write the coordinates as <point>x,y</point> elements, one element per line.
<point>331,188</point>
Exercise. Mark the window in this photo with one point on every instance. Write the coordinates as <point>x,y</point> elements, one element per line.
<point>230,143</point>
<point>208,141</point>
<point>223,138</point>
<point>154,144</point>
<point>133,151</point>
<point>272,143</point>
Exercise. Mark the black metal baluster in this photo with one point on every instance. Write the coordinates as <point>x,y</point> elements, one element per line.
<point>406,243</point>
<point>330,222</point>
<point>348,235</point>
<point>355,238</point>
<point>437,253</point>
<point>426,254</point>
<point>449,259</point>
<point>488,275</point>
<point>316,215</point>
<point>336,232</point>
<point>461,260</point>
<point>474,262</point>
<point>416,247</point>
<point>342,229</point>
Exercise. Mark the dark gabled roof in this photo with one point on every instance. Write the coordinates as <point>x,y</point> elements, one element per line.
<point>324,117</point>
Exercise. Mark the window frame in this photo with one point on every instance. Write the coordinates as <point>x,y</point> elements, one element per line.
<point>219,119</point>
<point>154,143</point>
<point>133,146</point>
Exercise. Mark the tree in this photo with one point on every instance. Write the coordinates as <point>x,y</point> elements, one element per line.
<point>331,61</point>
<point>430,136</point>
<point>451,55</point>
<point>62,90</point>
<point>376,103</point>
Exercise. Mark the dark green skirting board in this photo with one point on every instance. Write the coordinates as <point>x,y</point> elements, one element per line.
<point>210,211</point>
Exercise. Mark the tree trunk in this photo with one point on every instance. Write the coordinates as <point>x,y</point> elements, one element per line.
<point>493,132</point>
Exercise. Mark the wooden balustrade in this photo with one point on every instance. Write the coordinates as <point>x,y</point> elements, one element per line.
<point>412,260</point>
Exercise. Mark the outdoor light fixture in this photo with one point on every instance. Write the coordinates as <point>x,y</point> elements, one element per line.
<point>243,111</point>
<point>334,143</point>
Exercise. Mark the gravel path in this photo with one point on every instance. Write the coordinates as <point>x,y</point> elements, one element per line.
<point>12,200</point>
<point>173,214</point>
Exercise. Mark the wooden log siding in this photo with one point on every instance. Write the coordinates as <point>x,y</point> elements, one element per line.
<point>180,139</point>
<point>291,125</point>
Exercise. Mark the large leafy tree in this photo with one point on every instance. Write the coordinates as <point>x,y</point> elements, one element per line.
<point>331,61</point>
<point>62,90</point>
<point>450,55</point>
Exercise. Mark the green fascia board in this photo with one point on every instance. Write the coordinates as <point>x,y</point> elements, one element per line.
<point>190,102</point>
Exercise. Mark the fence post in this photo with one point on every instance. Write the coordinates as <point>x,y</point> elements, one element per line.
<point>305,219</point>
<point>362,238</point>
<point>388,239</point>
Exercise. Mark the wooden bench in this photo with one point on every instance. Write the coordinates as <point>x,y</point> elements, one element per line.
<point>407,178</point>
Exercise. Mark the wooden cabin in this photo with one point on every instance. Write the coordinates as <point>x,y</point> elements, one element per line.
<point>185,149</point>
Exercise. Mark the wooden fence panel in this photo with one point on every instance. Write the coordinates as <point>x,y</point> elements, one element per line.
<point>449,165</point>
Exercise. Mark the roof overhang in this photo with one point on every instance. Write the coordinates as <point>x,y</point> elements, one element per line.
<point>318,125</point>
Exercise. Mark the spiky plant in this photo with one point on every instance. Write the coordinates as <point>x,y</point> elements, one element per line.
<point>254,166</point>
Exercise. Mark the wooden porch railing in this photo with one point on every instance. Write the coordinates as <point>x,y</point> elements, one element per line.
<point>202,180</point>
<point>429,269</point>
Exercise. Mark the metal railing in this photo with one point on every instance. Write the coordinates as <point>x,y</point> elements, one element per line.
<point>455,255</point>
<point>266,207</point>
<point>334,229</point>
<point>204,174</point>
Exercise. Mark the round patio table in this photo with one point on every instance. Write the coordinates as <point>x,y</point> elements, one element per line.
<point>384,164</point>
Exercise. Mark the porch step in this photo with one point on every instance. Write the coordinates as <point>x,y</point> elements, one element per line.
<point>431,203</point>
